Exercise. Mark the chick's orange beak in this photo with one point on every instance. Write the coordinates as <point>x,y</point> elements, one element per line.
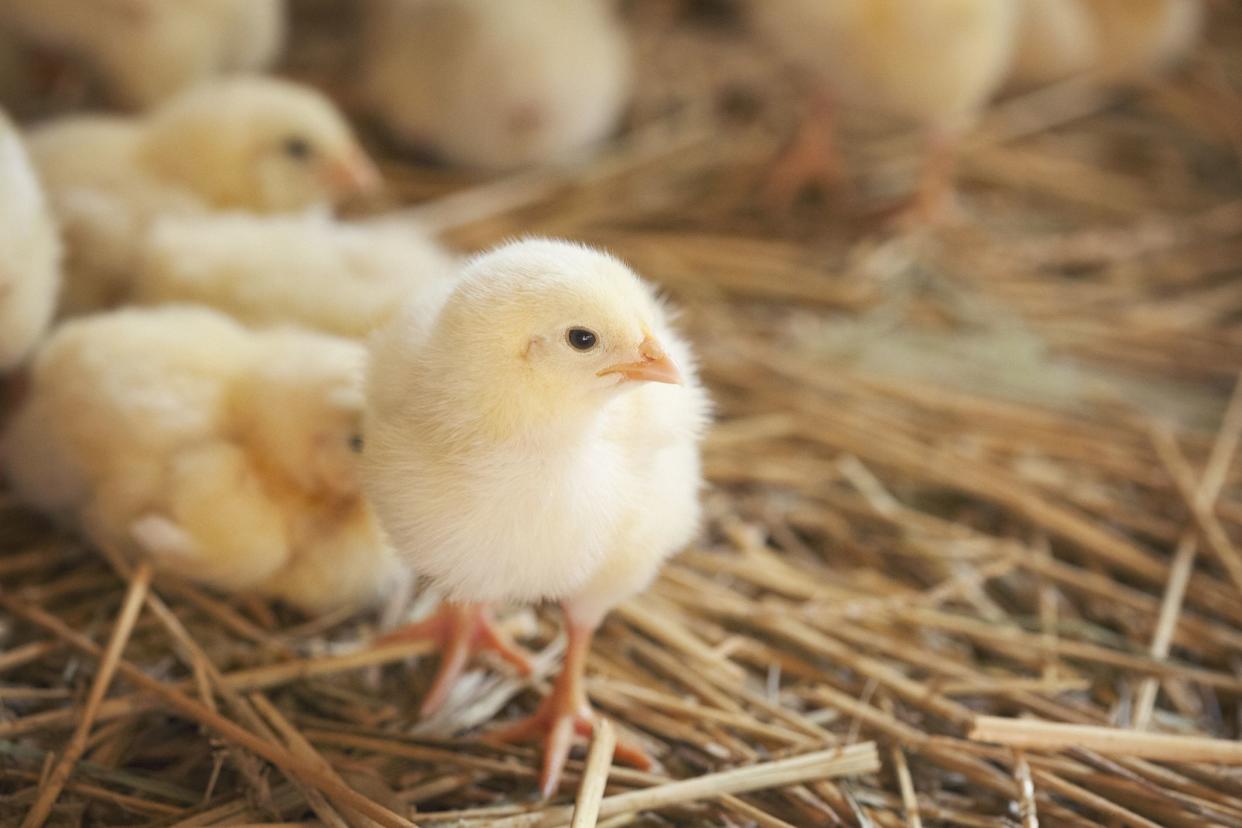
<point>655,365</point>
<point>354,174</point>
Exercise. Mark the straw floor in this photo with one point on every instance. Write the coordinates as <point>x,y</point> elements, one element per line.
<point>981,470</point>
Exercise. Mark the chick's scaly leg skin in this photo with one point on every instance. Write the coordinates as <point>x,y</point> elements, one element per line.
<point>811,157</point>
<point>564,713</point>
<point>460,631</point>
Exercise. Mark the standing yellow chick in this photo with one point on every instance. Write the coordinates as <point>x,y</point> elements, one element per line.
<point>346,279</point>
<point>933,63</point>
<point>496,85</point>
<point>29,252</point>
<point>227,456</point>
<point>1115,41</point>
<point>536,439</point>
<point>253,144</point>
<point>145,51</point>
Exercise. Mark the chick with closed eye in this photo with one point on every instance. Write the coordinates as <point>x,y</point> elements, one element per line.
<point>535,438</point>
<point>252,144</point>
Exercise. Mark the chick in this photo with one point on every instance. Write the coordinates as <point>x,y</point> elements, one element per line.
<point>496,85</point>
<point>29,252</point>
<point>1055,40</point>
<point>227,456</point>
<point>146,51</point>
<point>1112,40</point>
<point>252,144</point>
<point>934,64</point>
<point>536,439</point>
<point>340,278</point>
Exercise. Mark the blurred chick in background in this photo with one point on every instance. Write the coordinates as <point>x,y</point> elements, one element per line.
<point>536,439</point>
<point>1115,41</point>
<point>254,144</point>
<point>29,252</point>
<point>934,64</point>
<point>496,85</point>
<point>145,51</point>
<point>346,279</point>
<point>227,456</point>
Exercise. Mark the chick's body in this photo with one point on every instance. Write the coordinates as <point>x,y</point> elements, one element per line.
<point>145,51</point>
<point>1112,40</point>
<point>496,84</point>
<point>29,251</point>
<point>251,144</point>
<point>529,442</point>
<point>221,453</point>
<point>339,278</point>
<point>932,62</point>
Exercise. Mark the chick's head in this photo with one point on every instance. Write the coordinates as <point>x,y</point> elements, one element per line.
<point>259,144</point>
<point>546,330</point>
<point>300,410</point>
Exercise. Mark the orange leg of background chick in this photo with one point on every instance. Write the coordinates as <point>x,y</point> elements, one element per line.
<point>810,158</point>
<point>564,713</point>
<point>460,631</point>
<point>934,199</point>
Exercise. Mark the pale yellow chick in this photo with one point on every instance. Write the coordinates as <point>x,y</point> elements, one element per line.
<point>226,456</point>
<point>145,51</point>
<point>29,252</point>
<point>341,278</point>
<point>1113,41</point>
<point>253,144</point>
<point>496,85</point>
<point>536,439</point>
<point>932,64</point>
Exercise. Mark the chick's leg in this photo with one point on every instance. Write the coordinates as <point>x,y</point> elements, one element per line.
<point>460,631</point>
<point>564,713</point>
<point>811,157</point>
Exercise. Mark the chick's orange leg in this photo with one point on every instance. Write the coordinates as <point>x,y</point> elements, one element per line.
<point>564,713</point>
<point>811,157</point>
<point>460,631</point>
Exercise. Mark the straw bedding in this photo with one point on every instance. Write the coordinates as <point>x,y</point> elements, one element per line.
<point>982,470</point>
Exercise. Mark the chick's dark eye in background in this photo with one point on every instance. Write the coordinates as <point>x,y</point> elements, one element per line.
<point>581,339</point>
<point>355,443</point>
<point>298,148</point>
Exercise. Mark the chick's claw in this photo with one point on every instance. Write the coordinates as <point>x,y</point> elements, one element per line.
<point>559,718</point>
<point>460,631</point>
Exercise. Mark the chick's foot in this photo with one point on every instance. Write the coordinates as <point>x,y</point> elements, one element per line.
<point>810,159</point>
<point>564,713</point>
<point>460,631</point>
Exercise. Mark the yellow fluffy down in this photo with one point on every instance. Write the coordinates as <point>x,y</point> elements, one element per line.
<point>224,455</point>
<point>30,262</point>
<point>145,51</point>
<point>340,278</point>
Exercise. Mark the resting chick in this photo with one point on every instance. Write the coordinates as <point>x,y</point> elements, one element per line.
<point>934,64</point>
<point>225,455</point>
<point>29,252</point>
<point>145,51</point>
<point>1115,41</point>
<point>538,439</point>
<point>252,144</point>
<point>496,85</point>
<point>341,278</point>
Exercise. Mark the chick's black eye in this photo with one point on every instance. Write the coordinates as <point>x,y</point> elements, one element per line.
<point>296,147</point>
<point>355,443</point>
<point>581,339</point>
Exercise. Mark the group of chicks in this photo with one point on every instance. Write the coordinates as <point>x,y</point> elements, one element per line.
<point>522,426</point>
<point>254,394</point>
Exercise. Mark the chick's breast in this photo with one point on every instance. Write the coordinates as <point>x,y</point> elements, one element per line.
<point>926,61</point>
